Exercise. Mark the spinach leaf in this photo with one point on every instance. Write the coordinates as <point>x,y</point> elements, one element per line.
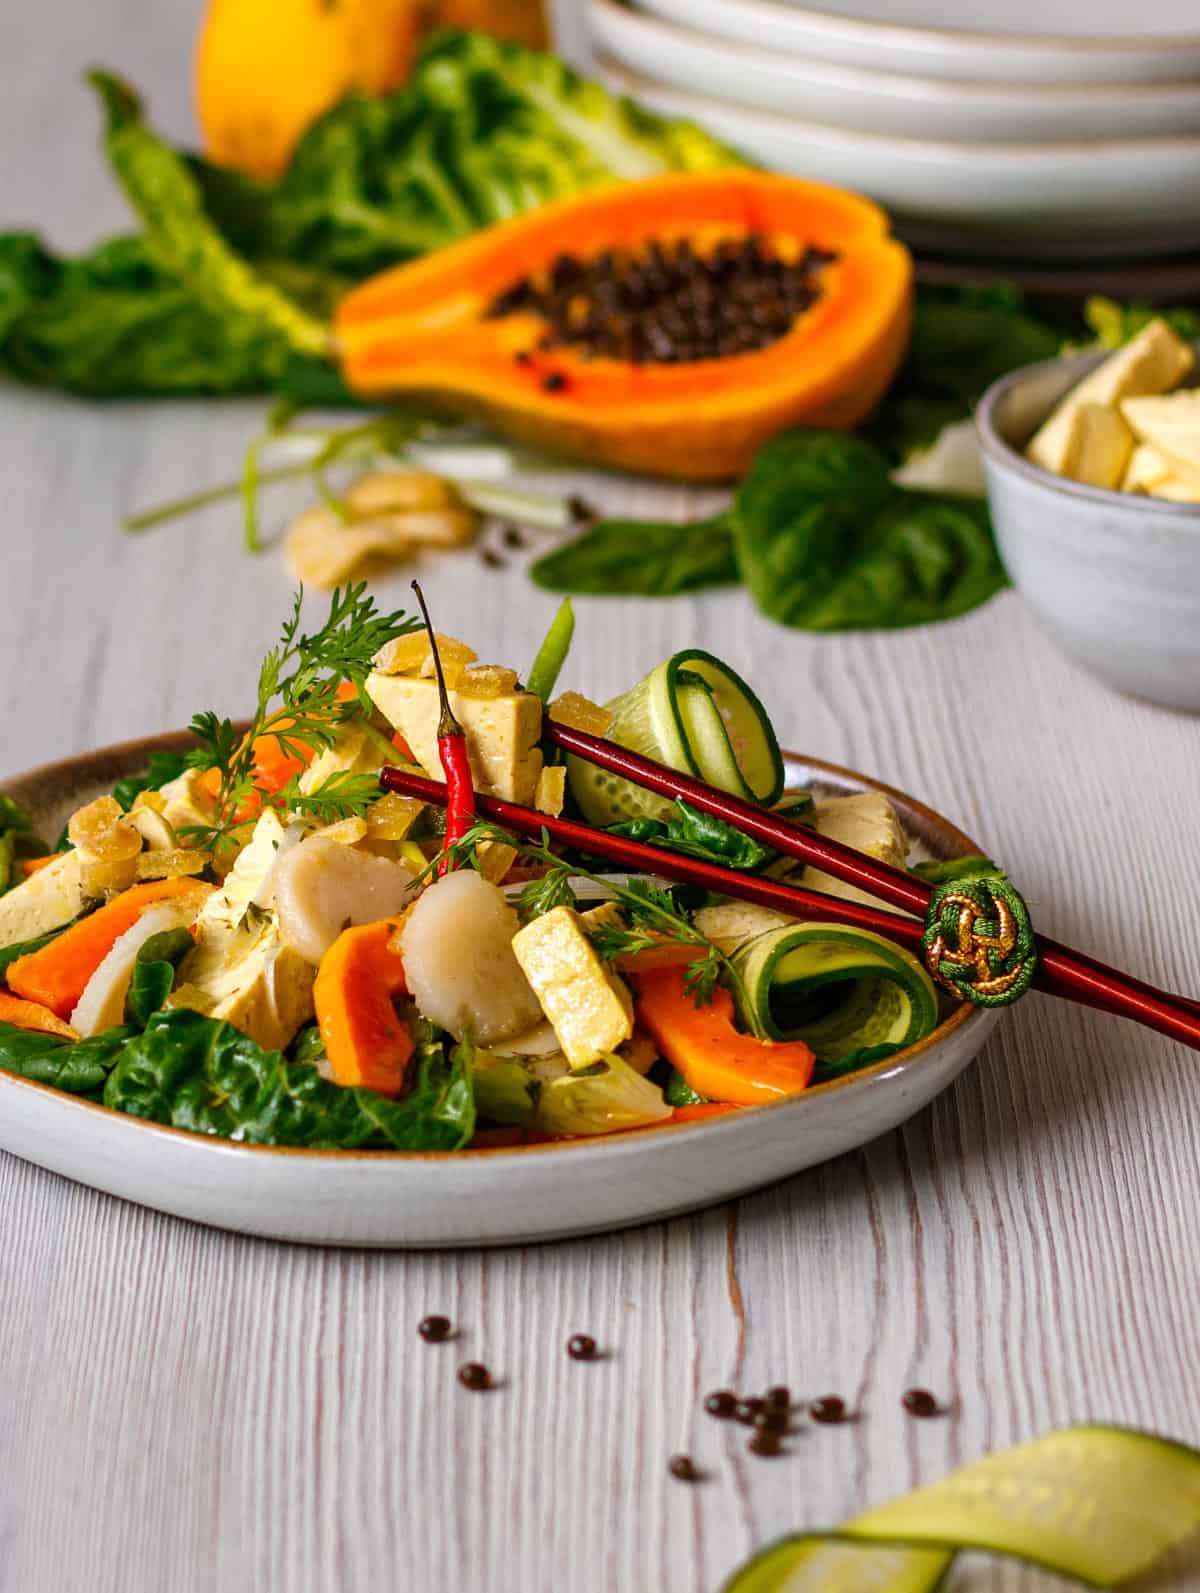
<point>678,1092</point>
<point>205,1076</point>
<point>164,767</point>
<point>437,1112</point>
<point>79,1067</point>
<point>308,1046</point>
<point>700,835</point>
<point>642,558</point>
<point>964,338</point>
<point>9,954</point>
<point>826,542</point>
<point>154,974</point>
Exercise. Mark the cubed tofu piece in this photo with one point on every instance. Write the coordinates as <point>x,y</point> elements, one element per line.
<point>588,1005</point>
<point>249,978</point>
<point>1105,443</point>
<point>866,821</point>
<point>1154,362</point>
<point>1171,426</point>
<point>240,970</point>
<point>502,732</point>
<point>1146,468</point>
<point>46,900</point>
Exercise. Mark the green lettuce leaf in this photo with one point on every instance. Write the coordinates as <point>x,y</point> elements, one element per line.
<point>484,131</point>
<point>163,767</point>
<point>207,1077</point>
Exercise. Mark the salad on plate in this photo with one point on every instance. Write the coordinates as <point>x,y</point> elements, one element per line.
<point>255,940</point>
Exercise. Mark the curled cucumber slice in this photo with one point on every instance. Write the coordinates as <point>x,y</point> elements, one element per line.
<point>851,995</point>
<point>1099,1504</point>
<point>694,714</point>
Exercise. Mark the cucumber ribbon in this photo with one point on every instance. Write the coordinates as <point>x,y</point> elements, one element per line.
<point>694,714</point>
<point>1098,1504</point>
<point>851,995</point>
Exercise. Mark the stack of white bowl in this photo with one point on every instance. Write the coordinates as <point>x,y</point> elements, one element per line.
<point>1018,128</point>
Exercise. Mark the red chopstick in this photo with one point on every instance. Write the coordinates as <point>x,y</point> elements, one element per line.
<point>1088,982</point>
<point>1061,971</point>
<point>645,859</point>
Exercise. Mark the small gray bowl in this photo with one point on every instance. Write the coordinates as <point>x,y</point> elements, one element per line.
<point>1114,577</point>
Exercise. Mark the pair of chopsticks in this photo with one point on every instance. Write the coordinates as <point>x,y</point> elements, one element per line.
<point>1061,971</point>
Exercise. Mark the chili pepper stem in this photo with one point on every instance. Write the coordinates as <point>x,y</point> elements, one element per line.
<point>452,751</point>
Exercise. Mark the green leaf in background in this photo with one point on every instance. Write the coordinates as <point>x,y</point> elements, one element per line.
<point>678,1092</point>
<point>182,237</point>
<point>826,542</point>
<point>964,338</point>
<point>485,130</point>
<point>154,974</point>
<point>1115,324</point>
<point>204,1076</point>
<point>79,1067</point>
<point>115,324</point>
<point>642,558</point>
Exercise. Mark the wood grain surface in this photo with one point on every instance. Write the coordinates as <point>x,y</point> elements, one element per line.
<point>187,1411</point>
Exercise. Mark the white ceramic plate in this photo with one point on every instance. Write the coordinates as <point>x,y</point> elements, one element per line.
<point>760,79</point>
<point>1068,41</point>
<point>1081,201</point>
<point>494,1197</point>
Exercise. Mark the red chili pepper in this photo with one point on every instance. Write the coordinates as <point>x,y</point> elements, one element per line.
<point>452,750</point>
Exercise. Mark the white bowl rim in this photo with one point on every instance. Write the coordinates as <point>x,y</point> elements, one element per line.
<point>614,1144</point>
<point>1002,453</point>
<point>947,151</point>
<point>961,40</point>
<point>903,85</point>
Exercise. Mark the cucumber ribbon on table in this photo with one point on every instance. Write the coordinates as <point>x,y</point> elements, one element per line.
<point>1095,1503</point>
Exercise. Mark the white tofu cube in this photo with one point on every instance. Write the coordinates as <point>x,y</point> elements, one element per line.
<point>588,1005</point>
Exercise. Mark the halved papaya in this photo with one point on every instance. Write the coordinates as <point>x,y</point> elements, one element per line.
<point>757,302</point>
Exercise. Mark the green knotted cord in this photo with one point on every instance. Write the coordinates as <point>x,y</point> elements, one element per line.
<point>979,940</point>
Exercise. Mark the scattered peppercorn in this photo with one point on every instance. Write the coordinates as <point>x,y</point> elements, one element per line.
<point>493,560</point>
<point>771,1420</point>
<point>434,1329</point>
<point>474,1376</point>
<point>920,1402</point>
<point>780,1397</point>
<point>746,1410</point>
<point>581,1347</point>
<point>721,1404</point>
<point>513,538</point>
<point>828,1409</point>
<point>683,1467</point>
<point>579,509</point>
<point>764,1444</point>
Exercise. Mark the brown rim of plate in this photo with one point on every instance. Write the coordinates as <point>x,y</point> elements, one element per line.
<point>64,770</point>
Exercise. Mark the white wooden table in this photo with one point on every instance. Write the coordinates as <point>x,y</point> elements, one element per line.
<point>184,1410</point>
